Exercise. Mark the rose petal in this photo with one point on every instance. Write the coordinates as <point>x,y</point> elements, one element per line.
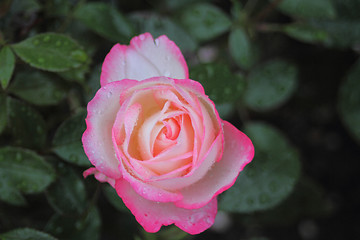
<point>152,215</point>
<point>99,176</point>
<point>97,139</point>
<point>144,58</point>
<point>238,152</point>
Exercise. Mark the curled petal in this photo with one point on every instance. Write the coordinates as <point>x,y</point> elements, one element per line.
<point>152,215</point>
<point>238,152</point>
<point>97,139</point>
<point>144,58</point>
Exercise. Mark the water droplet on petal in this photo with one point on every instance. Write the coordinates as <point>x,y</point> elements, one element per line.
<point>157,42</point>
<point>167,74</point>
<point>109,94</point>
<point>142,37</point>
<point>167,58</point>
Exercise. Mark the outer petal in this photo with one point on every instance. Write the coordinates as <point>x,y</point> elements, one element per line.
<point>144,58</point>
<point>97,139</point>
<point>99,176</point>
<point>152,215</point>
<point>238,151</point>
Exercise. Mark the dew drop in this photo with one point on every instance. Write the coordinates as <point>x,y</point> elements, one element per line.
<point>46,38</point>
<point>250,201</point>
<point>264,198</point>
<point>167,74</point>
<point>167,58</point>
<point>157,42</point>
<point>142,37</point>
<point>58,43</point>
<point>41,60</point>
<point>79,55</point>
<point>109,94</point>
<point>36,42</point>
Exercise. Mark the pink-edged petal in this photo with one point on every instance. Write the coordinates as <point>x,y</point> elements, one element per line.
<point>144,58</point>
<point>152,215</point>
<point>238,152</point>
<point>97,139</point>
<point>212,156</point>
<point>99,176</point>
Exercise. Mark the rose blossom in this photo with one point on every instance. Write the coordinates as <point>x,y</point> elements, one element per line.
<point>155,136</point>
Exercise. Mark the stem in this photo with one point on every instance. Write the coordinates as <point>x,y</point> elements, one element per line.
<point>266,10</point>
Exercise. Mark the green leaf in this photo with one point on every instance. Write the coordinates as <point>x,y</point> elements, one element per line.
<point>158,25</point>
<point>67,195</point>
<point>93,84</point>
<point>205,21</point>
<point>306,201</point>
<point>349,101</point>
<point>7,64</point>
<point>114,199</point>
<point>26,124</point>
<point>85,227</point>
<point>105,20</point>
<point>220,84</point>
<point>67,140</point>
<point>26,7</point>
<point>307,33</point>
<point>3,117</point>
<point>321,9</point>
<point>342,33</point>
<point>269,178</point>
<point>51,51</point>
<point>270,85</point>
<point>22,171</point>
<point>37,88</point>
<point>76,74</point>
<point>25,234</point>
<point>347,9</point>
<point>241,49</point>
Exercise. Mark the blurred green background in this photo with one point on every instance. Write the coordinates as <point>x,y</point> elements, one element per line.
<point>286,72</point>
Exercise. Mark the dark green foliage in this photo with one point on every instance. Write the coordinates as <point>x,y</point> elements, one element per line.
<point>258,61</point>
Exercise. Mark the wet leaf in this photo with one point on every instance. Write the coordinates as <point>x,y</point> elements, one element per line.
<point>205,21</point>
<point>349,101</point>
<point>51,51</point>
<point>105,20</point>
<point>323,9</point>
<point>38,88</point>
<point>85,227</point>
<point>158,25</point>
<point>220,84</point>
<point>26,124</point>
<point>22,171</point>
<point>25,234</point>
<point>242,49</point>
<point>67,140</point>
<point>270,85</point>
<point>269,178</point>
<point>7,64</point>
<point>67,195</point>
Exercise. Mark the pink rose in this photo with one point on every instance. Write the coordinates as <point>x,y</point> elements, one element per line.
<point>155,136</point>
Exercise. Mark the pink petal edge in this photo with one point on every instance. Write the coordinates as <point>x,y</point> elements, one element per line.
<point>238,152</point>
<point>152,215</point>
<point>159,57</point>
<point>97,139</point>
